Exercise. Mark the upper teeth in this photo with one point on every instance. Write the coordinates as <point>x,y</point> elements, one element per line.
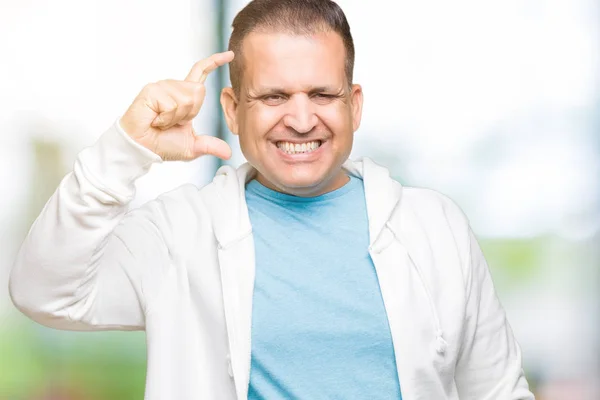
<point>293,148</point>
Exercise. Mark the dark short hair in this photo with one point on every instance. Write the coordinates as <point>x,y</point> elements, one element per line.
<point>297,17</point>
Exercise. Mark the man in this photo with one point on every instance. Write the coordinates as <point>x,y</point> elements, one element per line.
<point>300,275</point>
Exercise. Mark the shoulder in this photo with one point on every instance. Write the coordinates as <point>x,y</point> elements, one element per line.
<point>434,218</point>
<point>171,210</point>
<point>433,206</point>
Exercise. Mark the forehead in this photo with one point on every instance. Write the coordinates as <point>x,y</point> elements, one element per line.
<point>293,61</point>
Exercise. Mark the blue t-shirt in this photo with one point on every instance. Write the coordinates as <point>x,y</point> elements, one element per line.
<point>319,326</point>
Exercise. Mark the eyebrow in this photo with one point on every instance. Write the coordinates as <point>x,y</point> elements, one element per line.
<point>265,91</point>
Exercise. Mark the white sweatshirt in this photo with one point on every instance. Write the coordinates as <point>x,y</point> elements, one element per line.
<point>181,268</point>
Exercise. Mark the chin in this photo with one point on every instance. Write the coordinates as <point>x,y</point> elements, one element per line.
<point>304,180</point>
<point>300,183</point>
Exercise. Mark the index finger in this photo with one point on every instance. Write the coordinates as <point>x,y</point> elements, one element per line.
<point>202,68</point>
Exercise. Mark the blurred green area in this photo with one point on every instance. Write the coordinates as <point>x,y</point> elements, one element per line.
<point>517,260</point>
<point>41,363</point>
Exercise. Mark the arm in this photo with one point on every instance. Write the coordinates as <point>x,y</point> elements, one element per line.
<point>81,266</point>
<point>489,365</point>
<point>85,263</point>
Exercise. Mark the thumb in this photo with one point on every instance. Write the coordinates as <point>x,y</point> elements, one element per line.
<point>211,145</point>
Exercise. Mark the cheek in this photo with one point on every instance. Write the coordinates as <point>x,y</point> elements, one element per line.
<point>338,120</point>
<point>261,120</point>
<point>255,126</point>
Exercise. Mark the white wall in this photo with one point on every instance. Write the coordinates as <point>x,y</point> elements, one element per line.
<point>69,68</point>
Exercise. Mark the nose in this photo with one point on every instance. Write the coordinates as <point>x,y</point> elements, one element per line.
<point>300,114</point>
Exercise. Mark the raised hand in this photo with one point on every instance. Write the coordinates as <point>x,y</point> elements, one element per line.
<point>160,117</point>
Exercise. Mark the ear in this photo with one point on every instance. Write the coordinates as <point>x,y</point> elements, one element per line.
<point>356,102</point>
<point>229,104</point>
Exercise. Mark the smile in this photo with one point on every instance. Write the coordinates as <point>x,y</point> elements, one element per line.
<point>299,148</point>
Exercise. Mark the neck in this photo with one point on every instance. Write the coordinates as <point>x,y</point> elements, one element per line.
<point>334,183</point>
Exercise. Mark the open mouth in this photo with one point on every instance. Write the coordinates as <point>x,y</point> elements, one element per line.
<point>299,148</point>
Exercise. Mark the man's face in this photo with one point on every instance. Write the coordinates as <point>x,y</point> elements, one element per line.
<point>295,114</point>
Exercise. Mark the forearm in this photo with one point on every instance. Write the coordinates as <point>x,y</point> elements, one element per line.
<point>57,264</point>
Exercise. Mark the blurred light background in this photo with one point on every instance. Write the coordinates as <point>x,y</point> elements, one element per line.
<point>495,103</point>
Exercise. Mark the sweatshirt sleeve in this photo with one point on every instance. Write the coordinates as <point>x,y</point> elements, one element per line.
<point>83,262</point>
<point>489,365</point>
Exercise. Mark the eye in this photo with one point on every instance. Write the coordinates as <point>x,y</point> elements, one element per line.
<point>323,98</point>
<point>273,99</point>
